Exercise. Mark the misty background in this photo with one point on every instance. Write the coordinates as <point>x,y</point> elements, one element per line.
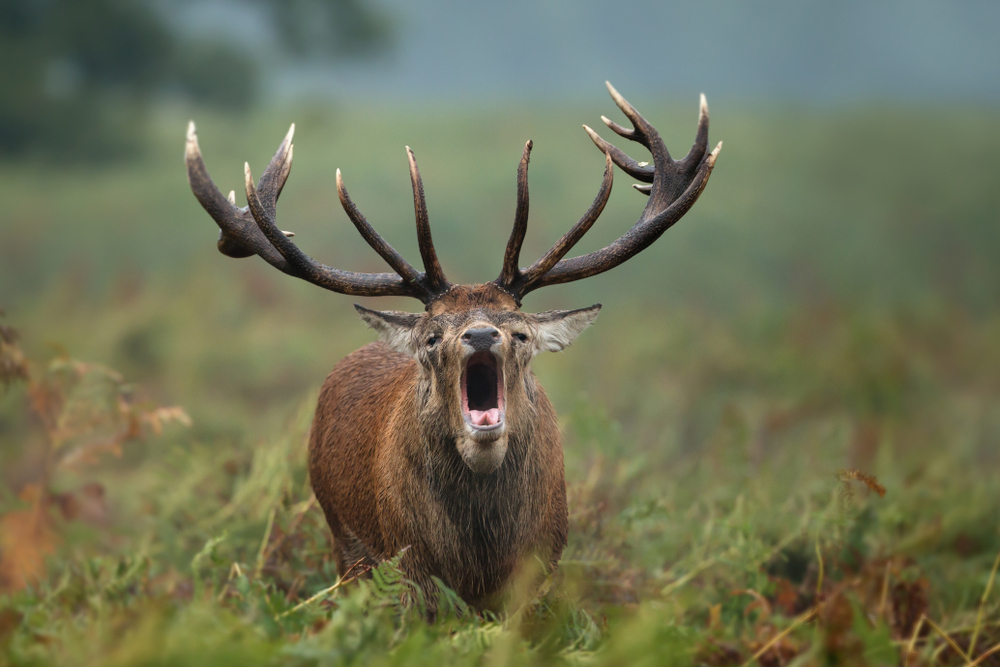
<point>859,171</point>
<point>766,51</point>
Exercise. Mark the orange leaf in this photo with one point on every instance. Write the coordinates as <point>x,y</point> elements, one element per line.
<point>26,538</point>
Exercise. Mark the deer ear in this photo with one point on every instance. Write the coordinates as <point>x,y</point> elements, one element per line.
<point>558,328</point>
<point>393,327</point>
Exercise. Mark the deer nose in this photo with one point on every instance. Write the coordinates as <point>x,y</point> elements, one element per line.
<point>482,338</point>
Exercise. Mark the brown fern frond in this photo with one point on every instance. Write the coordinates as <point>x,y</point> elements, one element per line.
<point>868,480</point>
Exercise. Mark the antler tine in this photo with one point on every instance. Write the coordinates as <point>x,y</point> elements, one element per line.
<point>378,244</point>
<point>511,272</point>
<point>304,267</point>
<point>637,239</point>
<point>252,231</point>
<point>631,167</point>
<point>673,188</point>
<point>618,129</point>
<point>697,151</point>
<point>644,133</point>
<point>435,277</point>
<point>576,232</point>
<point>238,233</point>
<point>272,181</point>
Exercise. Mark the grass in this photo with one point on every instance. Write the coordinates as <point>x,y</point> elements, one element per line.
<point>824,315</point>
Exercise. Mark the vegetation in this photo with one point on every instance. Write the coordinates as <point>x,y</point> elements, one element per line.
<point>819,332</point>
<point>77,79</point>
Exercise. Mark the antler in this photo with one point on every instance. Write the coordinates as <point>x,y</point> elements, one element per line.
<point>675,186</point>
<point>252,231</point>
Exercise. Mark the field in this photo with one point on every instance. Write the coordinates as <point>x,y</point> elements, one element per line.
<point>819,331</point>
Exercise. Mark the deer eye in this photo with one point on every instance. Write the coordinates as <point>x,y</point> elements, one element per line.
<point>433,340</point>
<point>521,337</point>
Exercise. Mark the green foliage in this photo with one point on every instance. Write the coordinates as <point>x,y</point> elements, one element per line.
<point>73,75</point>
<point>77,79</point>
<point>703,436</point>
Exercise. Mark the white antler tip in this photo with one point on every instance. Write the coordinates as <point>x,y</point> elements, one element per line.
<point>288,234</point>
<point>714,154</point>
<point>191,150</point>
<point>703,105</point>
<point>614,93</point>
<point>232,197</point>
<point>595,137</point>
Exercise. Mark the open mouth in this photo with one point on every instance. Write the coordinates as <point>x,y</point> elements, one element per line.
<point>482,392</point>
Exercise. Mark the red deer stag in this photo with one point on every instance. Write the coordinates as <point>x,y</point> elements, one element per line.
<point>439,438</point>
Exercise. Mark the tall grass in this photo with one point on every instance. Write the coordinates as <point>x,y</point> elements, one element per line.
<point>825,313</point>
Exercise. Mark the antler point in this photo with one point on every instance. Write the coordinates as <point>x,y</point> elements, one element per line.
<point>232,197</point>
<point>714,155</point>
<point>191,149</point>
<point>341,190</point>
<point>615,95</point>
<point>595,137</point>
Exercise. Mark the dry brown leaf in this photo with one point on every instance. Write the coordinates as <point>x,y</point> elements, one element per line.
<point>158,417</point>
<point>868,480</point>
<point>786,596</point>
<point>26,538</point>
<point>758,602</point>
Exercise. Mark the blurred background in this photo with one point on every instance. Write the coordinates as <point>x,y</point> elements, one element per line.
<point>830,301</point>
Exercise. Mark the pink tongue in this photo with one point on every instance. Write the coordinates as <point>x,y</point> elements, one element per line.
<point>489,417</point>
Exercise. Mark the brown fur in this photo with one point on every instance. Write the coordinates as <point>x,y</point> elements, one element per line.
<point>398,456</point>
<point>386,471</point>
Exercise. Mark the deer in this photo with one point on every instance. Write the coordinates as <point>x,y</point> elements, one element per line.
<point>437,442</point>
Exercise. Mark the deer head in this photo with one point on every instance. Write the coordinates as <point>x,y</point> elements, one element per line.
<point>472,343</point>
